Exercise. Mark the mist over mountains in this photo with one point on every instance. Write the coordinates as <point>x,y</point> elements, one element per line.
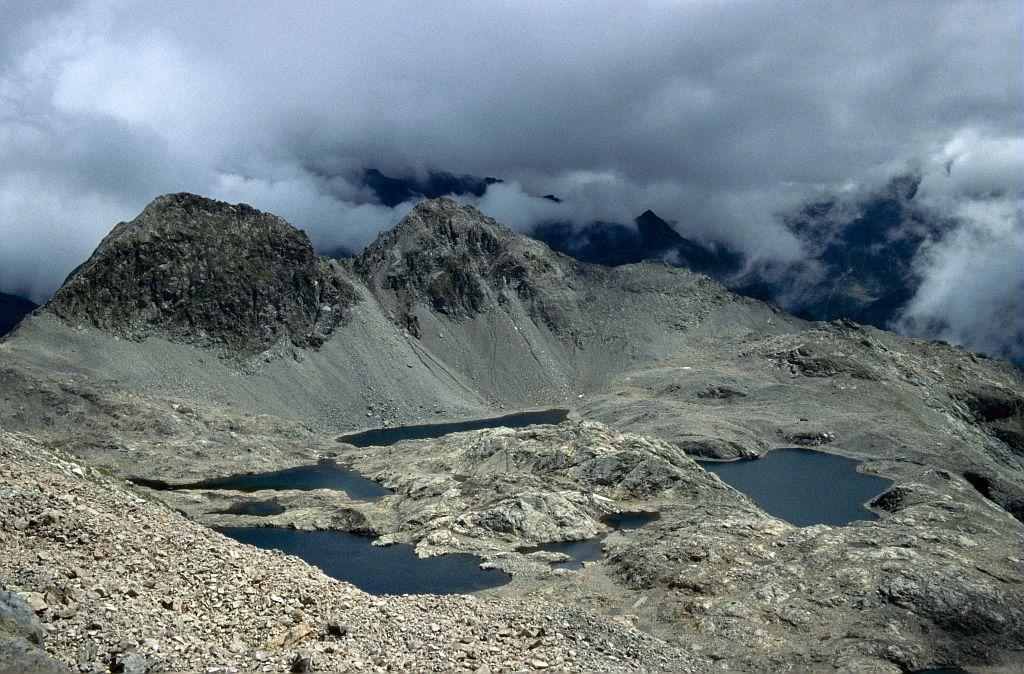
<point>733,127</point>
<point>393,191</point>
<point>865,258</point>
<point>205,342</point>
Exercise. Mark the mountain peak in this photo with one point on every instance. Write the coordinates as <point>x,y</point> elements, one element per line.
<point>447,215</point>
<point>196,202</point>
<point>655,233</point>
<point>392,191</point>
<point>184,209</point>
<point>194,269</point>
<point>453,256</point>
<point>442,222</point>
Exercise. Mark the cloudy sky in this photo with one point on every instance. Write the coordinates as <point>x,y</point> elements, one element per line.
<point>720,116</point>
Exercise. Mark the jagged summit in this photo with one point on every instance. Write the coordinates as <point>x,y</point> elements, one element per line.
<point>199,270</point>
<point>443,220</point>
<point>648,238</point>
<point>454,257</point>
<point>183,211</point>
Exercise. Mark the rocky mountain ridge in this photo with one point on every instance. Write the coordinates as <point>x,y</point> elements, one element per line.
<point>451,312</point>
<point>858,256</point>
<point>203,271</point>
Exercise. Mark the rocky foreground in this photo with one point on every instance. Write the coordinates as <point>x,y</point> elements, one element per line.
<point>938,579</point>
<point>115,577</point>
<point>106,577</point>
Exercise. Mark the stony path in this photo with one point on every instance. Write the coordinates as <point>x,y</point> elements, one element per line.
<point>116,576</point>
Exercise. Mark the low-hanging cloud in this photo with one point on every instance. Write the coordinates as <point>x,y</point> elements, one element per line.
<point>972,278</point>
<point>972,287</point>
<point>721,117</point>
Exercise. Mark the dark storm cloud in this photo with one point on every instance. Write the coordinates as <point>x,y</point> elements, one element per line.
<point>721,116</point>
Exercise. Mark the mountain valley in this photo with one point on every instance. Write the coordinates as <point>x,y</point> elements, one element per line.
<point>204,340</point>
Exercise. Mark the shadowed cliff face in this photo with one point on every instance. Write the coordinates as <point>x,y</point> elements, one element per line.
<point>198,270</point>
<point>12,309</point>
<point>392,191</point>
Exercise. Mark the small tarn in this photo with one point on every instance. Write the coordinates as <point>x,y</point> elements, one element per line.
<point>391,569</point>
<point>591,549</point>
<point>803,486</point>
<point>383,437</point>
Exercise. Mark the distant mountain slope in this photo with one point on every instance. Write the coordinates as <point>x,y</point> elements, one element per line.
<point>12,309</point>
<point>859,265</point>
<point>651,238</point>
<point>393,191</point>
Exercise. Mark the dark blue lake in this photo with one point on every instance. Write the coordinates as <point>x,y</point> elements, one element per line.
<point>324,475</point>
<point>382,437</point>
<point>592,549</point>
<point>393,569</point>
<point>803,486</point>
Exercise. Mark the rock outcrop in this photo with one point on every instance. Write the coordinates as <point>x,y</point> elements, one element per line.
<point>22,637</point>
<point>502,487</point>
<point>935,580</point>
<point>460,263</point>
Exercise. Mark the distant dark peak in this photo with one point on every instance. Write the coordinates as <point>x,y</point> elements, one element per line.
<point>612,244</point>
<point>655,233</point>
<point>552,197</point>
<point>391,191</point>
<point>904,187</point>
<point>197,270</point>
<point>13,308</point>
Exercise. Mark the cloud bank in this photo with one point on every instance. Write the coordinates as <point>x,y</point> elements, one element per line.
<point>719,116</point>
